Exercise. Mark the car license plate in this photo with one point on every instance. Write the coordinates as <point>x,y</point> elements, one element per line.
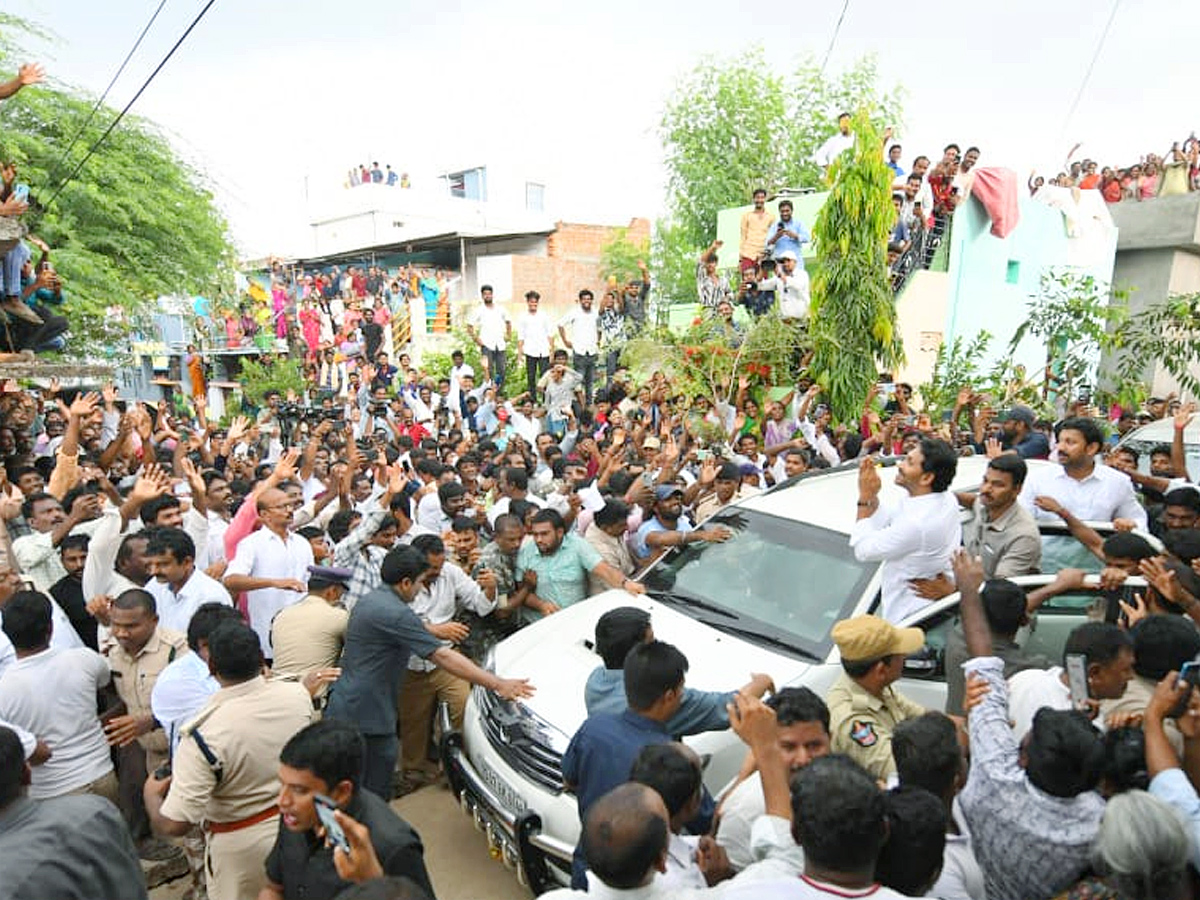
<point>504,792</point>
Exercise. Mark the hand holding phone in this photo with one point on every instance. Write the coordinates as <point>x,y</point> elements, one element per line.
<point>333,831</point>
<point>1077,680</point>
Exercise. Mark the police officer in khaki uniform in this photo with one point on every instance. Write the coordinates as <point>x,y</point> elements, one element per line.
<point>225,769</point>
<point>864,708</point>
<point>143,649</point>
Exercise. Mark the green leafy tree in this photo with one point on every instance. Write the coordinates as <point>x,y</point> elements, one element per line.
<point>1070,316</point>
<point>269,373</point>
<point>853,311</point>
<point>136,223</point>
<point>620,256</point>
<point>734,125</point>
<point>1166,332</point>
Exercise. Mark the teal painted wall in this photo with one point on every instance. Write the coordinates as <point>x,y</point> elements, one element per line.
<point>991,280</point>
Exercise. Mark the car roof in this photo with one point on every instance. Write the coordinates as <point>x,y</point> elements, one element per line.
<point>825,498</point>
<point>1162,431</point>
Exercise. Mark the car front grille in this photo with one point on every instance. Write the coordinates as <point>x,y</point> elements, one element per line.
<point>523,741</point>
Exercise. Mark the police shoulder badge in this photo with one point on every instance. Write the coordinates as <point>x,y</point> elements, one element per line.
<point>863,733</point>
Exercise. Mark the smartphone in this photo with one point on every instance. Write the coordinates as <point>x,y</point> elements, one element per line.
<point>702,455</point>
<point>1189,673</point>
<point>21,192</point>
<point>333,831</point>
<point>1077,680</point>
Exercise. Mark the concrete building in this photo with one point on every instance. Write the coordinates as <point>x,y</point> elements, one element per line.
<point>979,281</point>
<point>1158,255</point>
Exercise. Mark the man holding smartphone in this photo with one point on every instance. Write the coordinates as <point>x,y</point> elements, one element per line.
<point>320,772</point>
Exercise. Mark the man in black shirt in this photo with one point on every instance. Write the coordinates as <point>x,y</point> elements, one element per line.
<point>68,590</point>
<point>326,758</point>
<point>372,333</point>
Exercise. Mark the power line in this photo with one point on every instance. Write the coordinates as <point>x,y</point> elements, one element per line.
<point>1087,76</point>
<point>836,31</point>
<point>117,120</point>
<point>104,96</point>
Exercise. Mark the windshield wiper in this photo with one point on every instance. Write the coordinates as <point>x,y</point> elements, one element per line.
<point>761,637</point>
<point>689,600</point>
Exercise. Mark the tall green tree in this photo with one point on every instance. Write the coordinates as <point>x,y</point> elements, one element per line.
<point>136,223</point>
<point>734,125</point>
<point>853,310</point>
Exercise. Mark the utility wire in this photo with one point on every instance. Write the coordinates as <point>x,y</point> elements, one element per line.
<point>104,96</point>
<point>1087,76</point>
<point>117,120</point>
<point>836,31</point>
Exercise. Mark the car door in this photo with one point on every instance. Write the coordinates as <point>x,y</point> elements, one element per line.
<point>924,679</point>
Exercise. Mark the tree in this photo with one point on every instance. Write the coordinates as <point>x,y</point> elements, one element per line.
<point>136,223</point>
<point>1070,315</point>
<point>853,310</point>
<point>1166,332</point>
<point>620,256</point>
<point>732,126</point>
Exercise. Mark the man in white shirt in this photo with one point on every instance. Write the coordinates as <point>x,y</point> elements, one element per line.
<point>1093,493</point>
<point>63,637</point>
<point>177,586</point>
<point>914,538</point>
<point>271,565</point>
<point>802,722</point>
<point>584,339</point>
<point>838,143</point>
<point>534,341</point>
<point>1108,656</point>
<point>52,694</point>
<point>37,553</point>
<point>491,330</point>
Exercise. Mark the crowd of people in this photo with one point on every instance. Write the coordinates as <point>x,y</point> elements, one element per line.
<point>226,642</point>
<point>32,292</point>
<point>1174,173</point>
<point>364,174</point>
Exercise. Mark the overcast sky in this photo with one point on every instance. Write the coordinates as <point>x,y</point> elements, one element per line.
<point>266,94</point>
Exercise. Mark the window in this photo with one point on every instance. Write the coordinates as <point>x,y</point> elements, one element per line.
<point>535,197</point>
<point>1013,275</point>
<point>469,184</point>
<point>750,584</point>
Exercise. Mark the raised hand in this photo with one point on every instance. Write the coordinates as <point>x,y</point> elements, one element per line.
<point>1184,415</point>
<point>968,570</point>
<point>84,404</point>
<point>31,73</point>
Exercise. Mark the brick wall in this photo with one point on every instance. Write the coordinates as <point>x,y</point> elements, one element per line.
<point>571,264</point>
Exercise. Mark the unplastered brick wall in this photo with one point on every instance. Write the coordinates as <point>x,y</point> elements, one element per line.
<point>571,264</point>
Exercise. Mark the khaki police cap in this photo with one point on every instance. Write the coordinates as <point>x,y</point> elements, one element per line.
<point>870,637</point>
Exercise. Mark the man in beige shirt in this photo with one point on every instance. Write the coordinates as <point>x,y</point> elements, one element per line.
<point>607,535</point>
<point>142,649</point>
<point>725,488</point>
<point>226,771</point>
<point>755,223</point>
<point>309,636</point>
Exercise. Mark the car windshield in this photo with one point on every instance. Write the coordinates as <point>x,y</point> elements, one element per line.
<point>776,581</point>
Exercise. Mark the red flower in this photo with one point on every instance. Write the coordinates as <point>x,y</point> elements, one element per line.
<point>697,320</point>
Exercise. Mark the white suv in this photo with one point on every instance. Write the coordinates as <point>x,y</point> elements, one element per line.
<point>764,601</point>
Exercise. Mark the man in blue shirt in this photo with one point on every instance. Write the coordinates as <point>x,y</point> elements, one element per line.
<point>556,564</point>
<point>786,233</point>
<point>1019,434</point>
<point>601,754</point>
<point>620,630</point>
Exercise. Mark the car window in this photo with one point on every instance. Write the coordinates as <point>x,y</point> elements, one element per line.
<point>1057,618</point>
<point>1062,551</point>
<point>785,580</point>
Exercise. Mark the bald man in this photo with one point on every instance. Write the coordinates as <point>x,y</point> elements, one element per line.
<point>625,835</point>
<point>271,565</point>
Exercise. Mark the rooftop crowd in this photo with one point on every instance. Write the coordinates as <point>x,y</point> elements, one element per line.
<point>271,609</point>
<point>1175,172</point>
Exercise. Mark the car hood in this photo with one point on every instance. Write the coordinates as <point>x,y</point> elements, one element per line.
<point>556,655</point>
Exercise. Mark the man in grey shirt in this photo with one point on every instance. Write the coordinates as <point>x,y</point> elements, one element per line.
<point>1001,531</point>
<point>74,847</point>
<point>561,386</point>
